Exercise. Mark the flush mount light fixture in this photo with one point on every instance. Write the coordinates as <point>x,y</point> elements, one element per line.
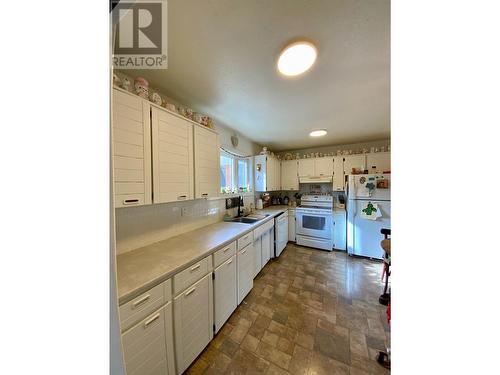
<point>297,58</point>
<point>318,133</point>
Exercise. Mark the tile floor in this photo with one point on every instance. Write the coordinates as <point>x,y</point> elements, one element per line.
<point>310,312</point>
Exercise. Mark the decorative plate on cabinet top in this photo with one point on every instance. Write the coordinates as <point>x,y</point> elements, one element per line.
<point>155,98</point>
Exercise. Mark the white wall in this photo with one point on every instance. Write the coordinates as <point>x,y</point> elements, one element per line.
<point>245,147</point>
<point>141,226</point>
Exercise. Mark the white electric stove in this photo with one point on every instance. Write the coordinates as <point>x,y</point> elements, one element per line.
<point>314,221</point>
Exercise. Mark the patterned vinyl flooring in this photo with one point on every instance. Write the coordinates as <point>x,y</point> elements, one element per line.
<point>310,312</point>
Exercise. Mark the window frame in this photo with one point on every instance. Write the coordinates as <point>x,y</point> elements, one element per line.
<point>235,189</point>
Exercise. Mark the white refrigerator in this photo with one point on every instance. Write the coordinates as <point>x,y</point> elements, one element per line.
<point>368,211</point>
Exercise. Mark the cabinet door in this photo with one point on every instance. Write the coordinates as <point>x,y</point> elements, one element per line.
<point>266,247</point>
<point>206,163</point>
<point>260,169</point>
<point>291,225</point>
<point>378,162</point>
<point>271,174</point>
<point>257,256</point>
<point>225,292</point>
<point>150,333</point>
<point>323,166</point>
<point>173,173</point>
<point>338,173</point>
<point>306,167</point>
<point>289,178</point>
<point>278,174</point>
<point>193,322</point>
<point>245,272</point>
<point>354,161</point>
<point>131,150</point>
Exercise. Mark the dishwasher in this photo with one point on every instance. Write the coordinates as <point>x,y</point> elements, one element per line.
<point>280,233</point>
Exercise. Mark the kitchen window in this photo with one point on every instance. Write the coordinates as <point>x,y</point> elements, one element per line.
<point>235,173</point>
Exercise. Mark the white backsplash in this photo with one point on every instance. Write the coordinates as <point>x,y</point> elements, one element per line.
<point>141,226</point>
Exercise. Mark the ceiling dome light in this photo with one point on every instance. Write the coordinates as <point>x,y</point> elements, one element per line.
<point>297,58</point>
<point>318,133</point>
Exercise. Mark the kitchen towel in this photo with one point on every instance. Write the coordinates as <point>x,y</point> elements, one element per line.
<point>371,211</point>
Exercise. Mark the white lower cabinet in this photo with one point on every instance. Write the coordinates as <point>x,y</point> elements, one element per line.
<point>245,260</point>
<point>257,258</point>
<point>267,242</point>
<point>148,347</point>
<point>193,317</point>
<point>225,292</point>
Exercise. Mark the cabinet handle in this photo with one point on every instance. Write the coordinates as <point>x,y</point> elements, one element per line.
<point>181,197</point>
<point>244,251</point>
<point>196,267</point>
<point>230,261</point>
<point>226,249</point>
<point>130,201</point>
<point>149,321</point>
<point>191,291</point>
<point>141,301</point>
<point>204,195</point>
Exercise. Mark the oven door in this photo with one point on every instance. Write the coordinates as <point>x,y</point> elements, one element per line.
<point>314,224</point>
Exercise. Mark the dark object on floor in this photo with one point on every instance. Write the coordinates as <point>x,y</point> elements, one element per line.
<point>385,298</point>
<point>384,360</point>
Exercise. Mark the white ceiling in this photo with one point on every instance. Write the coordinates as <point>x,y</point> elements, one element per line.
<point>222,62</point>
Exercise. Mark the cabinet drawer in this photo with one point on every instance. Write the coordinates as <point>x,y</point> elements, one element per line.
<point>225,253</point>
<point>192,274</point>
<point>141,306</point>
<point>144,345</point>
<point>245,240</point>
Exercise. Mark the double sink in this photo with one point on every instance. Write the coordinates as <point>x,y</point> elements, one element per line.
<point>250,219</point>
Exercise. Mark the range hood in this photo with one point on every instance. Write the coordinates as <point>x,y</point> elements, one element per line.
<point>315,179</point>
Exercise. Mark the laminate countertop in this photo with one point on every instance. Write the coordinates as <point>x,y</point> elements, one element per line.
<point>141,269</point>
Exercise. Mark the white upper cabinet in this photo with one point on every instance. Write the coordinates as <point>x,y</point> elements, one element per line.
<point>323,166</point>
<point>354,161</point>
<point>173,173</point>
<point>277,174</point>
<point>378,162</point>
<point>267,173</point>
<point>306,167</point>
<point>131,150</point>
<point>289,175</point>
<point>338,173</point>
<point>315,167</point>
<point>206,163</point>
